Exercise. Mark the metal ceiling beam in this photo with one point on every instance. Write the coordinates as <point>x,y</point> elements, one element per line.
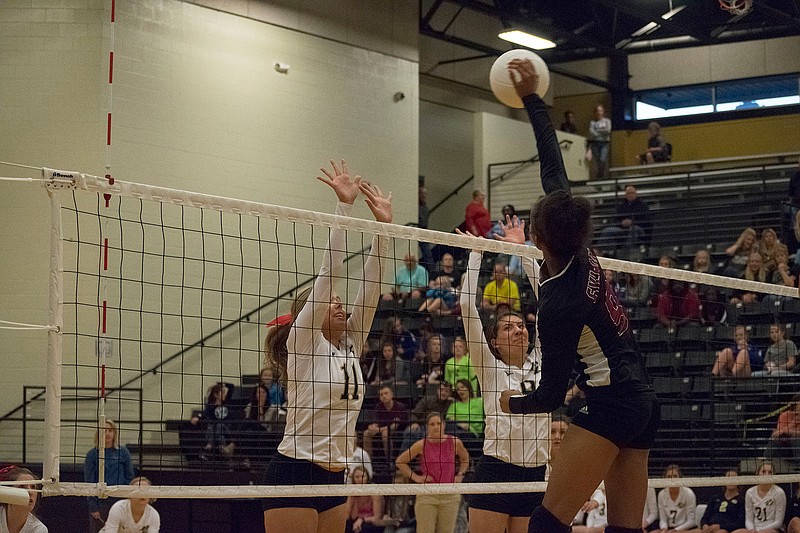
<point>671,44</point>
<point>666,23</point>
<point>777,13</point>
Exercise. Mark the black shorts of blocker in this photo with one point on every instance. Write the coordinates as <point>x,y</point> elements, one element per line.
<point>493,470</point>
<point>626,421</point>
<point>284,470</point>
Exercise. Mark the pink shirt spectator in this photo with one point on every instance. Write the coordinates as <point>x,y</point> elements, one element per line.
<point>438,460</point>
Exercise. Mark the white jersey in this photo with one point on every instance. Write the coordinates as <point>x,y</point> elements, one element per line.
<point>325,388</point>
<point>32,524</point>
<point>522,440</point>
<point>120,519</point>
<point>679,514</point>
<point>650,514</point>
<point>764,512</point>
<point>597,517</point>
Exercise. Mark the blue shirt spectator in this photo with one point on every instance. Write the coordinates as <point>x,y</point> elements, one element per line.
<point>118,466</point>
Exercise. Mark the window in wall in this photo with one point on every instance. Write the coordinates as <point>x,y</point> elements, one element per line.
<point>757,92</point>
<point>675,102</point>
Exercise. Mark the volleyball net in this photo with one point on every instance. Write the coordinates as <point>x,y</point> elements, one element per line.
<point>161,300</point>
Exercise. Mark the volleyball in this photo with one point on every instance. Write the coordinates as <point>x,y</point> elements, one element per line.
<point>500,81</point>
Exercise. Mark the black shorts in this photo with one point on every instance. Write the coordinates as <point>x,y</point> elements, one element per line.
<point>284,470</point>
<point>628,422</point>
<point>493,470</point>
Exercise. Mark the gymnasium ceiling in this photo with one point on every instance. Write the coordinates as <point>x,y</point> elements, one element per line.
<point>458,38</point>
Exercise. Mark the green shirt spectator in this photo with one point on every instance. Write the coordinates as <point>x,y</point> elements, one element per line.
<point>459,366</point>
<point>467,411</point>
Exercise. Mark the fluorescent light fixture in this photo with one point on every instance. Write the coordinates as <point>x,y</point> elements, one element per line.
<point>652,26</point>
<point>526,39</point>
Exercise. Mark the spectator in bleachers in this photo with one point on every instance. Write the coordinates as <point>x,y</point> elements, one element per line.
<point>118,470</point>
<point>702,262</point>
<point>440,298</point>
<point>768,247</point>
<point>633,224</point>
<point>411,281</point>
<point>725,513</point>
<point>460,365</point>
<point>781,355</point>
<point>662,284</point>
<point>216,418</point>
<point>501,292</point>
<point>739,253</point>
<point>507,212</point>
<point>569,125</point>
<point>432,360</point>
<point>360,459</point>
<point>599,140</point>
<point>267,399</point>
<point>785,438</point>
<point>754,271</point>
<point>391,419</point>
<point>391,369</point>
<point>613,283</point>
<point>405,342</point>
<point>364,513</point>
<point>467,410</point>
<point>657,149</point>
<point>678,305</point>
<point>765,504</point>
<point>448,268</point>
<point>21,518</point>
<point>635,290</point>
<point>739,359</point>
<point>400,509</point>
<point>712,305</point>
<point>476,217</point>
<point>438,402</point>
<point>677,506</point>
<point>783,273</point>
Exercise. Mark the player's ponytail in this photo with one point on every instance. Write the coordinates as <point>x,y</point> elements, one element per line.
<point>276,353</point>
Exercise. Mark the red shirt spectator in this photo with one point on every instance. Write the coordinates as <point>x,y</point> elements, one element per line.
<point>677,305</point>
<point>477,218</point>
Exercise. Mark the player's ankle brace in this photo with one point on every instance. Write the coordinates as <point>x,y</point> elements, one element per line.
<point>617,529</point>
<point>543,521</point>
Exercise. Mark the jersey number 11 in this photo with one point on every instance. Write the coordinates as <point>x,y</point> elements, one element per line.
<point>346,395</point>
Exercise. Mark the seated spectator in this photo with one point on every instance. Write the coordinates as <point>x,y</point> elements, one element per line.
<point>783,274</point>
<point>785,439</point>
<point>216,418</point>
<point>501,292</point>
<point>467,410</point>
<point>507,212</point>
<point>392,418</point>
<point>739,253</point>
<point>739,359</point>
<point>662,284</point>
<point>439,402</point>
<point>702,262</point>
<point>477,219</point>
<point>133,514</point>
<point>632,227</point>
<point>440,299</point>
<point>410,281</point>
<point>781,355</point>
<point>677,506</point>
<point>432,363</point>
<point>569,125</point>
<point>768,247</point>
<point>678,305</point>
<point>755,271</point>
<point>657,149</point>
<point>21,518</point>
<point>635,290</point>
<point>267,401</point>
<point>770,502</point>
<point>460,365</point>
<point>724,513</point>
<point>400,509</point>
<point>611,279</point>
<point>391,369</point>
<point>447,268</point>
<point>712,306</point>
<point>405,342</point>
<point>364,513</point>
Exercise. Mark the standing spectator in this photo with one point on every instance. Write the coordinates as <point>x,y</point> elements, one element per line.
<point>657,148</point>
<point>411,281</point>
<point>405,342</point>
<point>569,125</point>
<point>739,252</point>
<point>781,355</point>
<point>739,359</point>
<point>364,513</point>
<point>467,410</point>
<point>439,402</point>
<point>436,513</point>
<point>422,221</point>
<point>633,223</point>
<point>726,512</point>
<point>765,504</point>
<point>118,471</point>
<point>391,416</point>
<point>459,366</point>
<point>599,140</point>
<point>133,515</point>
<point>476,217</point>
<point>677,506</point>
<point>677,305</point>
<point>501,291</point>
<point>20,518</point>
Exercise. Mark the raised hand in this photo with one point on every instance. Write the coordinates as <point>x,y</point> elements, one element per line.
<point>523,76</point>
<point>513,229</point>
<point>378,203</point>
<point>339,180</point>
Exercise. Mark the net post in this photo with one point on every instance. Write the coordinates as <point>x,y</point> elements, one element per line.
<point>52,418</point>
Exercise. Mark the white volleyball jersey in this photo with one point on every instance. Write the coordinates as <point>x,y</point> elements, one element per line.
<point>650,514</point>
<point>32,524</point>
<point>679,514</point>
<point>325,388</point>
<point>597,517</point>
<point>764,512</point>
<point>522,440</point>
<point>120,520</point>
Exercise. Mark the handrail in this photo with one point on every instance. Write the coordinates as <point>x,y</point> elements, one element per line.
<point>454,192</point>
<point>700,163</point>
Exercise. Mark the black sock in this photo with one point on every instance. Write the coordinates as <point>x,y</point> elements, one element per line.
<point>543,521</point>
<point>618,529</point>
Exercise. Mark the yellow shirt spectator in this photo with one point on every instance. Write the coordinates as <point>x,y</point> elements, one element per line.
<point>501,290</point>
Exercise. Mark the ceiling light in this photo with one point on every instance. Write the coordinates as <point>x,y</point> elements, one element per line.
<point>650,27</point>
<point>526,39</point>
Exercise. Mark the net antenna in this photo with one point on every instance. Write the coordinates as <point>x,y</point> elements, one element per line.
<point>14,496</point>
<point>736,7</point>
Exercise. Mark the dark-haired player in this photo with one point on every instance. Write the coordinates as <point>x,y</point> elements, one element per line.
<point>580,321</point>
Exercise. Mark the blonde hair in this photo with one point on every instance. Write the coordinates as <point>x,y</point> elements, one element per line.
<point>137,481</point>
<point>111,423</point>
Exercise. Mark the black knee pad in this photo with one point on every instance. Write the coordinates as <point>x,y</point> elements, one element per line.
<point>617,529</point>
<point>543,521</point>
